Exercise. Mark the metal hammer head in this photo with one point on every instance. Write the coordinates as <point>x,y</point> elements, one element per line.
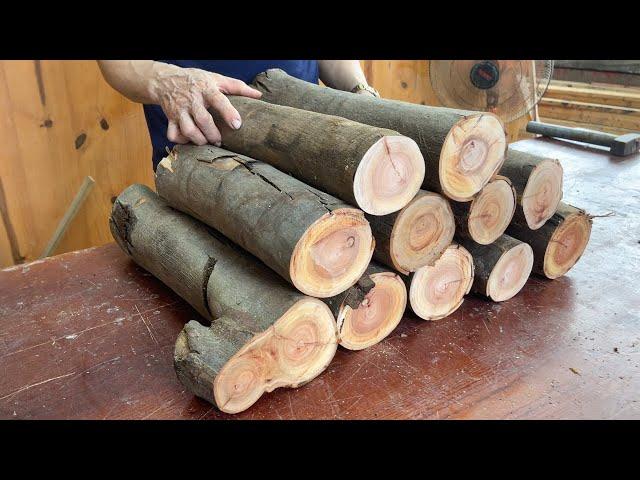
<point>625,144</point>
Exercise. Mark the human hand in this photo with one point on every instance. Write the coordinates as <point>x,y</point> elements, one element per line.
<point>185,94</point>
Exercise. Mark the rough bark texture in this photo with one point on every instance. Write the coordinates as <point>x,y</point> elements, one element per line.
<point>354,295</point>
<point>260,208</point>
<point>201,352</point>
<point>518,167</point>
<point>485,258</point>
<point>539,239</point>
<point>175,248</point>
<point>428,126</point>
<point>241,296</point>
<point>321,150</point>
<point>461,211</point>
<point>382,226</point>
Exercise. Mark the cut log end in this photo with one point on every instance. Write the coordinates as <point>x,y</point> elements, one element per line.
<point>293,351</point>
<point>438,290</point>
<point>543,193</point>
<point>510,273</point>
<point>378,314</point>
<point>389,175</point>
<point>421,232</point>
<point>567,244</point>
<point>491,211</point>
<point>472,154</point>
<point>332,254</point>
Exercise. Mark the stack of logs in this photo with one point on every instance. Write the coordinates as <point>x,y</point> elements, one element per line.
<point>271,238</point>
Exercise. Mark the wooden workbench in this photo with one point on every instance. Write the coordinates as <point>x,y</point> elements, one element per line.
<point>89,334</point>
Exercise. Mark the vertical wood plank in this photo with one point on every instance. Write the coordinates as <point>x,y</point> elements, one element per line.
<point>62,123</point>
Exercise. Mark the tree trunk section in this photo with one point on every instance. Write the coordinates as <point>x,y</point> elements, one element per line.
<point>175,248</point>
<point>263,335</point>
<point>488,215</point>
<point>376,169</point>
<point>538,184</point>
<point>462,150</point>
<point>370,310</point>
<point>313,240</point>
<point>501,268</point>
<point>438,290</point>
<point>416,235</point>
<point>559,243</point>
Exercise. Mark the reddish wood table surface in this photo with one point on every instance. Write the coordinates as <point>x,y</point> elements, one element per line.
<point>89,334</point>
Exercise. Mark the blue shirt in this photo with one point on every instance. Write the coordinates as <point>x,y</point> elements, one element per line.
<point>244,70</point>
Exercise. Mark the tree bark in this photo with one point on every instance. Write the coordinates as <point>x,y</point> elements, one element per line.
<point>538,184</point>
<point>462,150</point>
<point>488,215</point>
<point>416,235</point>
<point>315,241</point>
<point>559,243</point>
<point>501,268</point>
<point>376,169</point>
<point>438,290</point>
<point>253,311</point>
<point>371,309</point>
<point>175,248</point>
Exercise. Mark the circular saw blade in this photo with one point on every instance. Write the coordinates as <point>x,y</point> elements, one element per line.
<point>508,88</point>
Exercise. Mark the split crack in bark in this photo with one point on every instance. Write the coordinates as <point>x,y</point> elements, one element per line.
<point>322,200</point>
<point>253,172</point>
<point>124,224</point>
<point>208,271</point>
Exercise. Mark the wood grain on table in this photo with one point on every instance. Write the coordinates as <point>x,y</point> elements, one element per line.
<point>89,334</point>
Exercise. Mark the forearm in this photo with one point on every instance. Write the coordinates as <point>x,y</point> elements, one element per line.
<point>134,78</point>
<point>341,74</point>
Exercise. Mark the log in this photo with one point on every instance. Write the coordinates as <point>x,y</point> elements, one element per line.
<point>488,215</point>
<point>559,243</point>
<point>538,184</point>
<point>263,335</point>
<point>371,309</point>
<point>374,168</point>
<point>174,248</point>
<point>438,290</point>
<point>501,268</point>
<point>318,243</point>
<point>462,150</point>
<point>416,235</point>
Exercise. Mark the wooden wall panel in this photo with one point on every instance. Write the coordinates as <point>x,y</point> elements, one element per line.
<point>61,122</point>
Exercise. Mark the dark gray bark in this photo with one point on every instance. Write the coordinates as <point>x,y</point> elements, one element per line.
<point>323,151</point>
<point>241,296</point>
<point>255,205</point>
<point>428,126</point>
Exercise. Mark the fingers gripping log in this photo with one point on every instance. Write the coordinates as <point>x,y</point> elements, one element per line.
<point>416,235</point>
<point>501,268</point>
<point>438,290</point>
<point>376,169</point>
<point>264,334</point>
<point>488,215</point>
<point>318,243</point>
<point>462,150</point>
<point>559,243</point>
<point>369,311</point>
<point>538,184</point>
